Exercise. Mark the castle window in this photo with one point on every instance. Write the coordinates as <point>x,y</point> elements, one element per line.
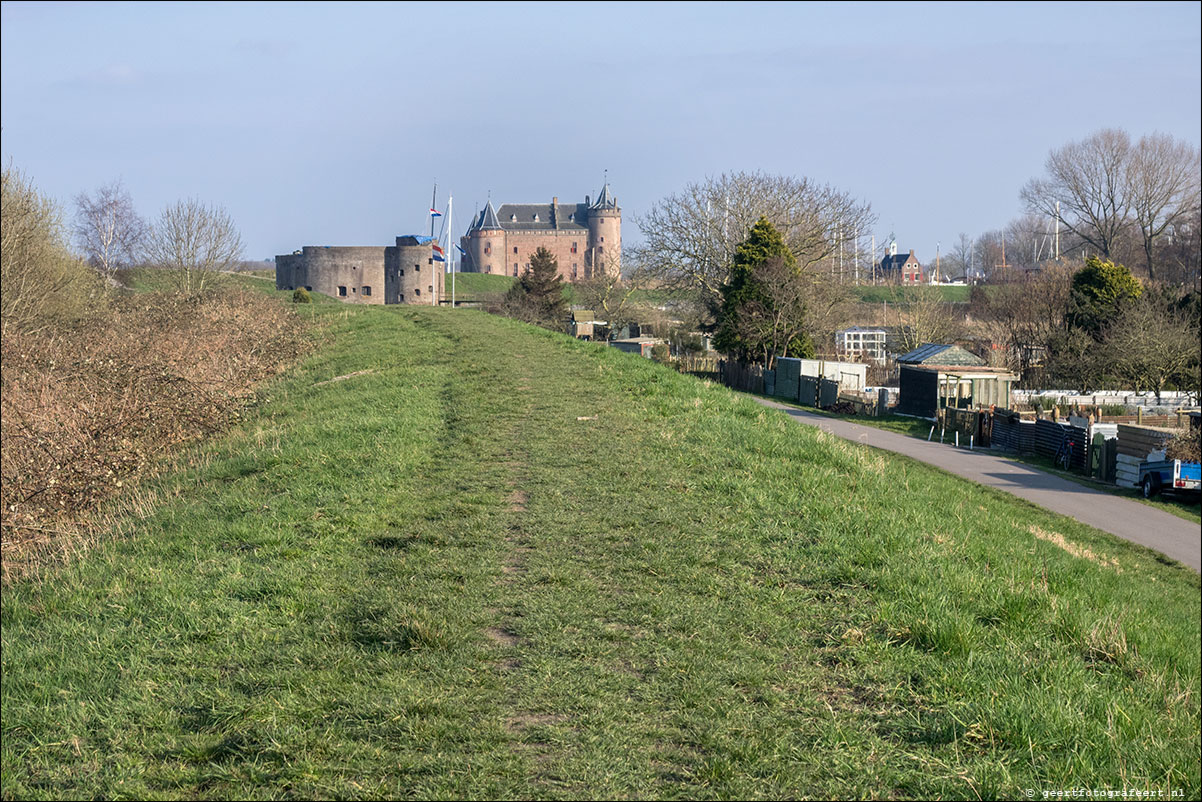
<point>366,290</point>
<point>402,271</point>
<point>600,249</point>
<point>513,218</point>
<point>536,218</point>
<point>417,292</point>
<point>515,268</point>
<point>342,292</point>
<point>573,247</point>
<point>515,249</point>
<point>487,248</point>
<point>310,289</point>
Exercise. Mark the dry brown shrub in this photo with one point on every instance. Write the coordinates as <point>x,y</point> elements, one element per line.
<point>1185,446</point>
<point>86,409</point>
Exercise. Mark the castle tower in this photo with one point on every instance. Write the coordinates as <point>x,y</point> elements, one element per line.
<point>604,253</point>
<point>484,243</point>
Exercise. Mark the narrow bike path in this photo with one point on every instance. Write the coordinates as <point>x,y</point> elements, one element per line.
<point>1173,537</point>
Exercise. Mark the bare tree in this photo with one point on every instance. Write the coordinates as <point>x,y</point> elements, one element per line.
<point>691,236</point>
<point>1163,181</point>
<point>613,297</point>
<point>1086,188</point>
<point>1116,196</point>
<point>196,240</point>
<point>1153,343</point>
<point>927,319</point>
<point>108,229</point>
<point>1026,315</point>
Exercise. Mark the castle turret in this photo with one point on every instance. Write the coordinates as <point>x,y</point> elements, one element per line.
<point>604,254</point>
<point>484,243</point>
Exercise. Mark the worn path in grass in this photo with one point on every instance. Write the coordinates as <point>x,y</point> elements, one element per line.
<point>1171,536</point>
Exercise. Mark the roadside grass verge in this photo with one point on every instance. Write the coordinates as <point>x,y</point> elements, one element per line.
<point>1181,506</point>
<point>455,556</point>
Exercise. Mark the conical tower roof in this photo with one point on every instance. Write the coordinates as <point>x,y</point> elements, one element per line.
<point>605,200</point>
<point>488,218</point>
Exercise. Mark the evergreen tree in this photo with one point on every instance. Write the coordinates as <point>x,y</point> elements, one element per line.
<point>1101,290</point>
<point>537,296</point>
<point>762,313</point>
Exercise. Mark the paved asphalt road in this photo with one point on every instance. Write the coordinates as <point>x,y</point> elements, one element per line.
<point>1172,536</point>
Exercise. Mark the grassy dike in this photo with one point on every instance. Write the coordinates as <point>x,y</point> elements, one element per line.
<point>454,556</point>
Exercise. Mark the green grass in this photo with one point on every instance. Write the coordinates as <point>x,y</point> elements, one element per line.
<point>473,284</point>
<point>1181,506</point>
<point>894,294</point>
<point>495,562</point>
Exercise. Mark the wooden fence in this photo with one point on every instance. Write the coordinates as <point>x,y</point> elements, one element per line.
<point>703,367</point>
<point>737,376</point>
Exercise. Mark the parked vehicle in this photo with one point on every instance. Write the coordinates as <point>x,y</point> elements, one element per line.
<point>1170,476</point>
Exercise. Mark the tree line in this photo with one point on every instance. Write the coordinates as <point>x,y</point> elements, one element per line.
<point>52,266</point>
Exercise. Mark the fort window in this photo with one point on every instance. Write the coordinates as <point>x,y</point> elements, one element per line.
<point>487,248</point>
<point>573,247</point>
<point>342,292</point>
<point>402,272</point>
<point>417,292</point>
<point>515,249</point>
<point>536,218</point>
<point>515,268</point>
<point>366,290</point>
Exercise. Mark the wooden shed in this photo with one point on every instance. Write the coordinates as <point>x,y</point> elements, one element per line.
<point>936,376</point>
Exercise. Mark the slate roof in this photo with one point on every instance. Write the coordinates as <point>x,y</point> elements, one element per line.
<point>936,354</point>
<point>605,200</point>
<point>521,216</point>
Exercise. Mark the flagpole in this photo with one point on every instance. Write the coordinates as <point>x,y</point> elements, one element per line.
<point>450,253</point>
<point>433,206</point>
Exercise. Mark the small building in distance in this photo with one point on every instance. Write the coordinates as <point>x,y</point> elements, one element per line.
<point>636,345</point>
<point>585,238</point>
<point>936,376</point>
<point>861,343</point>
<point>900,269</point>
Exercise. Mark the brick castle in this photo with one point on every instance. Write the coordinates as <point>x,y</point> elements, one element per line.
<point>585,238</point>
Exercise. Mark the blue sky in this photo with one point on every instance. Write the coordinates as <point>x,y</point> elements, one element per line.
<point>327,124</point>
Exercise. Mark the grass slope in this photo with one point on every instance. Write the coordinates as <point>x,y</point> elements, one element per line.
<point>893,293</point>
<point>453,556</point>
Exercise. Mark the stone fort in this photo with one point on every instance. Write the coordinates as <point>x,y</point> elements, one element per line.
<point>585,238</point>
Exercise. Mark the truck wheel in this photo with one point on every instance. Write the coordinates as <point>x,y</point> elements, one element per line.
<point>1151,487</point>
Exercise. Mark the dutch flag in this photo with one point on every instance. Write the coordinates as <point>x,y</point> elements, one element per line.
<point>435,213</point>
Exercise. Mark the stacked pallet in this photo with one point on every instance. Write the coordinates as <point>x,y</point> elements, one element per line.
<point>1135,444</point>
